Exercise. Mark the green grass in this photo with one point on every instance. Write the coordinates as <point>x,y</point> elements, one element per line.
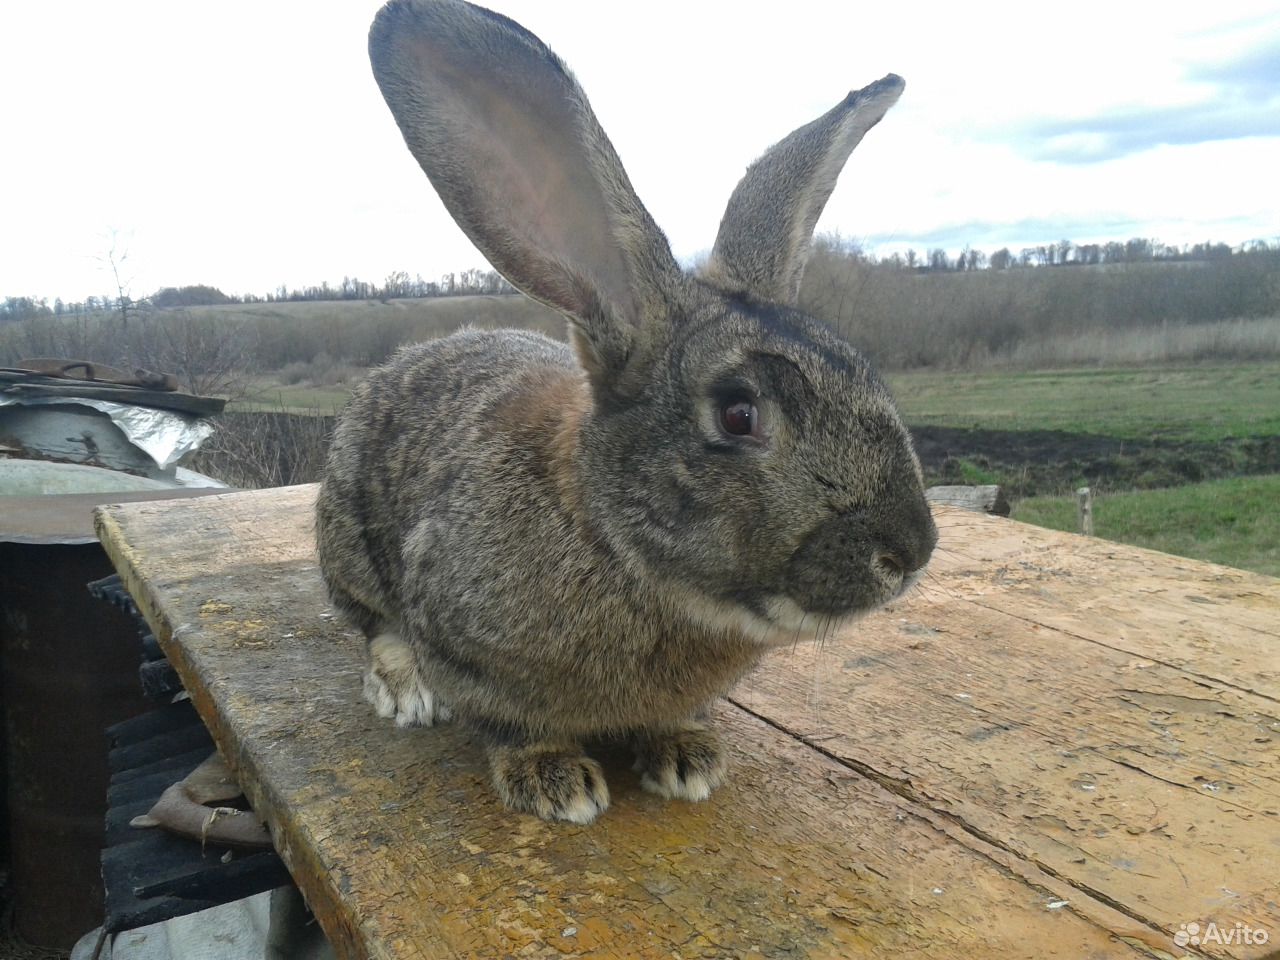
<point>1235,522</point>
<point>1174,403</point>
<point>1177,403</point>
<point>975,474</point>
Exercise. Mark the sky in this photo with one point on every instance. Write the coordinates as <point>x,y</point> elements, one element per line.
<point>245,144</point>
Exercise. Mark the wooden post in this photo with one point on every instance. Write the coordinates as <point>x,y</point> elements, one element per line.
<point>1084,510</point>
<point>984,499</point>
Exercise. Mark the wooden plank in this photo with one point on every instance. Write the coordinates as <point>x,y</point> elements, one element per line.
<point>1210,621</point>
<point>1134,784</point>
<point>916,787</point>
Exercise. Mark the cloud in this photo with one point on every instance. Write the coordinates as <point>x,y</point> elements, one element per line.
<point>1255,75</point>
<point>1236,99</point>
<point>1124,132</point>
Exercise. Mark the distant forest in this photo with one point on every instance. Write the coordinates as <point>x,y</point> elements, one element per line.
<point>396,287</point>
<point>830,252</point>
<point>1041,304</point>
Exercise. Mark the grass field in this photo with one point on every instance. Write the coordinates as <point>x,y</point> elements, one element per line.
<point>294,398</point>
<point>1200,403</point>
<point>1205,403</point>
<point>1234,522</point>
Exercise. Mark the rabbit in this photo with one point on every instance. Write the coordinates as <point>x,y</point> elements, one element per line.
<point>561,543</point>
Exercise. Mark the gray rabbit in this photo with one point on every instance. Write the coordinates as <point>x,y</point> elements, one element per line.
<point>558,543</point>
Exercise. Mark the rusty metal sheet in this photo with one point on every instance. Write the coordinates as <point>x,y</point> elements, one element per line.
<point>19,383</point>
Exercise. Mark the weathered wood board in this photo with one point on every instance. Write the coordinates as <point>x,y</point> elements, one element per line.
<point>1054,747</point>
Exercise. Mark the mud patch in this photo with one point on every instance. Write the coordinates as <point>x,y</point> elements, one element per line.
<point>1030,462</point>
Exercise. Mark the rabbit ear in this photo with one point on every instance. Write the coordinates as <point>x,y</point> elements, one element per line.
<point>507,138</point>
<point>764,236</point>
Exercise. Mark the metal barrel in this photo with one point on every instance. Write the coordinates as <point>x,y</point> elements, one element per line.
<point>70,668</point>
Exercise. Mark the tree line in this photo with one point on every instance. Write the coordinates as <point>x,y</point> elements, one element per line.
<point>399,285</point>
<point>396,286</point>
<point>906,312</point>
<point>1064,253</point>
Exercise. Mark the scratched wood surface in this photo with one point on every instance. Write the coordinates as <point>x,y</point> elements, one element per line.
<point>1054,747</point>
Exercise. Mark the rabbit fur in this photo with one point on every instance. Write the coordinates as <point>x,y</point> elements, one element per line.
<point>556,543</point>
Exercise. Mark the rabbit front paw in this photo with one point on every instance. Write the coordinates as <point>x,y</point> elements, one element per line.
<point>686,763</point>
<point>395,688</point>
<point>549,781</point>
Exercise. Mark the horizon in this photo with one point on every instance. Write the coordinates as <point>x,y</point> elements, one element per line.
<point>1112,253</point>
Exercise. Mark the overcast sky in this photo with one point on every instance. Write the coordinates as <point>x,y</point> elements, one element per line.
<point>245,144</point>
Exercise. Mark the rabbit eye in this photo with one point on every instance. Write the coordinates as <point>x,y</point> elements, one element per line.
<point>740,418</point>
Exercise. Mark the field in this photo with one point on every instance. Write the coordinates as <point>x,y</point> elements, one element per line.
<point>1205,403</point>
<point>1183,459</point>
<point>1044,432</point>
<point>1234,522</point>
<point>301,398</point>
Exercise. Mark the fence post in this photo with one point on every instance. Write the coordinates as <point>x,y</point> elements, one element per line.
<point>1084,510</point>
<point>989,499</point>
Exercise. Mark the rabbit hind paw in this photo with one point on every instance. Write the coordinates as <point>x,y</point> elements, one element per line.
<point>684,764</point>
<point>550,781</point>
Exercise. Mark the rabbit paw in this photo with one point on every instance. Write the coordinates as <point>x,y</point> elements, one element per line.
<point>552,782</point>
<point>395,688</point>
<point>686,764</point>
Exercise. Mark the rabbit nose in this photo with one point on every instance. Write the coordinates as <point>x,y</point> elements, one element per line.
<point>856,560</point>
<point>907,541</point>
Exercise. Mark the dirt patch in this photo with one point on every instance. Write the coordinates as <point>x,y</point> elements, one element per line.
<point>1029,462</point>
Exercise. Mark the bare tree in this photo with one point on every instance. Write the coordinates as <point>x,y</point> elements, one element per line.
<point>209,356</point>
<point>115,258</point>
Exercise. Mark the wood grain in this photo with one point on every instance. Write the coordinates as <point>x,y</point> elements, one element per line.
<point>1018,761</point>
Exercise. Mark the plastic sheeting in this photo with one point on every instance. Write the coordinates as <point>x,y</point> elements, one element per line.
<point>164,435</point>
